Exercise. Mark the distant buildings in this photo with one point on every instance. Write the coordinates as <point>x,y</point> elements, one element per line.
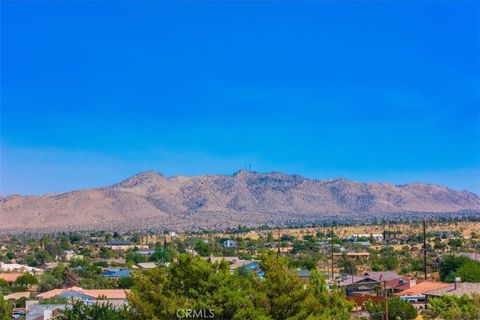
<point>237,263</point>
<point>146,265</point>
<point>375,236</point>
<point>15,267</point>
<point>124,245</point>
<point>230,244</point>
<point>70,254</point>
<point>116,273</point>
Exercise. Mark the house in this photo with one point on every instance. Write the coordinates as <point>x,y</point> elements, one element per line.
<point>70,254</point>
<point>117,295</point>
<point>417,293</point>
<point>230,260</point>
<point>375,236</point>
<point>116,273</point>
<point>456,289</point>
<point>359,285</point>
<point>253,266</point>
<point>372,283</point>
<point>230,244</point>
<point>36,311</point>
<point>15,267</point>
<point>145,252</point>
<point>17,295</point>
<point>124,245</point>
<point>146,265</point>
<point>50,265</point>
<point>359,256</point>
<point>10,277</point>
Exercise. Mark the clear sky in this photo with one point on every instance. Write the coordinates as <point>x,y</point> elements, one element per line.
<point>93,92</point>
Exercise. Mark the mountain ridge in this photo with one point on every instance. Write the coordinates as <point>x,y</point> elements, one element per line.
<point>220,201</point>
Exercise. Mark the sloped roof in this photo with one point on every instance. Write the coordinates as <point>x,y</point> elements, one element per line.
<point>10,277</point>
<point>116,273</point>
<point>147,265</point>
<point>462,288</point>
<point>406,284</point>
<point>423,287</point>
<point>94,293</point>
<point>385,275</point>
<point>348,280</point>
<point>17,295</point>
<point>119,243</point>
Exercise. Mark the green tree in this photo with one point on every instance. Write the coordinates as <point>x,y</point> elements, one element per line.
<point>452,266</point>
<point>453,308</point>
<point>284,292</point>
<point>469,271</point>
<point>75,262</point>
<point>397,309</point>
<point>161,255</point>
<point>193,283</point>
<point>135,257</point>
<point>70,278</point>
<point>5,309</point>
<point>107,253</point>
<point>49,282</point>
<point>97,311</point>
<point>334,305</point>
<point>125,283</point>
<point>10,255</point>
<point>41,256</point>
<point>26,279</point>
<point>203,249</point>
<point>347,264</point>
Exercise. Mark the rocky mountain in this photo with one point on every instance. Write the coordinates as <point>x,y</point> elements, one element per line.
<point>150,200</point>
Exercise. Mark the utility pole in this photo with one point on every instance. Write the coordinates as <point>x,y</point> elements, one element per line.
<point>424,249</point>
<point>386,298</point>
<point>475,246</point>
<point>331,241</point>
<point>278,244</point>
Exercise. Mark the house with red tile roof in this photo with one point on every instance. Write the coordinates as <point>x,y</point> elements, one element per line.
<point>86,294</point>
<point>422,288</point>
<point>10,277</point>
<point>456,289</point>
<point>417,294</point>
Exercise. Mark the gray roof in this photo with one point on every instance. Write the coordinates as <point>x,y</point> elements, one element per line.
<point>462,288</point>
<point>303,273</point>
<point>348,280</point>
<point>386,275</point>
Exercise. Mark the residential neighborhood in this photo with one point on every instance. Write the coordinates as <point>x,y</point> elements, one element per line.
<point>42,275</point>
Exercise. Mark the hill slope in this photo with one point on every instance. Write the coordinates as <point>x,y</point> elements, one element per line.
<point>150,200</point>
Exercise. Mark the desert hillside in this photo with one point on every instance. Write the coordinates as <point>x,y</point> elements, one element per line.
<point>151,200</point>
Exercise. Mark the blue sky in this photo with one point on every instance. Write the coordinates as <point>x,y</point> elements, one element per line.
<point>93,92</point>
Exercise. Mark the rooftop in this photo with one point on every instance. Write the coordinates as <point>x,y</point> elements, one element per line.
<point>423,287</point>
<point>119,243</point>
<point>95,293</point>
<point>384,275</point>
<point>10,277</point>
<point>461,288</point>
